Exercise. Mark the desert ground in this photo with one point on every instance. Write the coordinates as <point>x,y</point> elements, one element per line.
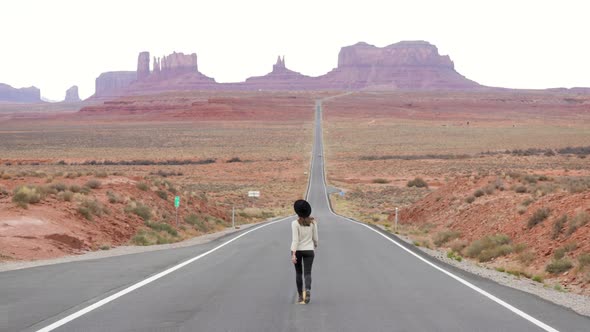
<point>107,175</point>
<point>500,178</point>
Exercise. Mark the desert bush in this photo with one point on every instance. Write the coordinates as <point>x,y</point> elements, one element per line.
<point>489,247</point>
<point>454,255</point>
<point>527,201</point>
<point>101,174</point>
<point>584,260</point>
<point>198,223</point>
<point>235,160</point>
<point>59,187</point>
<point>570,246</point>
<point>458,245</point>
<point>519,247</point>
<point>381,181</point>
<point>521,209</point>
<point>25,195</point>
<point>66,196</point>
<point>142,186</point>
<point>139,209</point>
<point>538,216</point>
<point>418,183</point>
<point>526,257</point>
<point>470,199</point>
<point>93,184</point>
<point>162,194</point>
<point>538,278</point>
<point>489,190</point>
<point>579,220</point>
<point>559,253</point>
<point>140,239</point>
<point>530,179</point>
<point>90,208</point>
<point>558,225</point>
<point>3,192</point>
<point>75,188</point>
<point>161,226</point>
<point>520,189</point>
<point>559,266</point>
<point>444,237</point>
<point>114,198</point>
<point>478,193</point>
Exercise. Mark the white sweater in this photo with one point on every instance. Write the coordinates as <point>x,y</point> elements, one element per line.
<point>304,237</point>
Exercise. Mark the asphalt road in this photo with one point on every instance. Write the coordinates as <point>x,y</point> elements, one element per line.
<point>362,281</point>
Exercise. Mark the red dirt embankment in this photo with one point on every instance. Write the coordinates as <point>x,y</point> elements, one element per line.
<point>56,225</point>
<point>506,205</point>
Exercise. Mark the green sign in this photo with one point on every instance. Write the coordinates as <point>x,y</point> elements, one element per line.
<point>177,201</point>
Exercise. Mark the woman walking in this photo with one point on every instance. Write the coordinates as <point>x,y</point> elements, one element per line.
<point>305,240</point>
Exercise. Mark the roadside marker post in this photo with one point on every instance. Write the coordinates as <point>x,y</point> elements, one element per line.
<point>233,217</point>
<point>396,214</point>
<point>177,205</point>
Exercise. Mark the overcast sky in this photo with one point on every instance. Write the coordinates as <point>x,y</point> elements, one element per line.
<point>519,43</point>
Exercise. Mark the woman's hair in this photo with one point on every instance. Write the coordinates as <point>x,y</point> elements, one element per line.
<point>305,221</point>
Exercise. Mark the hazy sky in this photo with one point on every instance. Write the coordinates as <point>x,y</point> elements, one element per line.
<point>518,43</point>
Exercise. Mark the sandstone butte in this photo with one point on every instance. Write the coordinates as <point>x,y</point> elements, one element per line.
<point>23,95</point>
<point>403,65</point>
<point>72,95</point>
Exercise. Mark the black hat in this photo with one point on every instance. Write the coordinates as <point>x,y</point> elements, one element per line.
<point>302,208</point>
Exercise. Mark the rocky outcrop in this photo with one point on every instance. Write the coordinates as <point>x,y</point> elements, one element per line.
<point>143,66</point>
<point>409,65</point>
<point>72,95</point>
<point>23,95</point>
<point>404,65</point>
<point>281,78</point>
<point>114,83</point>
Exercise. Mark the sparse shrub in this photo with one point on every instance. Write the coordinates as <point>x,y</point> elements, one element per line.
<point>519,247</point>
<point>3,192</point>
<point>558,225</point>
<point>381,181</point>
<point>75,188</point>
<point>66,196</point>
<point>59,187</point>
<point>579,220</point>
<point>470,199</point>
<point>418,183</point>
<point>538,278</point>
<point>101,174</point>
<point>90,208</point>
<point>85,190</point>
<point>539,216</point>
<point>25,195</point>
<point>527,201</point>
<point>105,247</point>
<point>530,179</point>
<point>454,255</point>
<point>416,243</point>
<point>114,198</point>
<point>198,223</point>
<point>142,186</point>
<point>559,266</point>
<point>235,160</point>
<point>489,190</point>
<point>559,253</point>
<point>489,247</point>
<point>584,260</point>
<point>521,209</point>
<point>139,209</point>
<point>140,239</point>
<point>520,189</point>
<point>160,226</point>
<point>570,246</point>
<point>444,237</point>
<point>162,194</point>
<point>500,269</point>
<point>93,184</point>
<point>458,245</point>
<point>478,193</point>
<point>526,257</point>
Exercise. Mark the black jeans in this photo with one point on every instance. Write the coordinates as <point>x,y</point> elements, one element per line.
<point>303,266</point>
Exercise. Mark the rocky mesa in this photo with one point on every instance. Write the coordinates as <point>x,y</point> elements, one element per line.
<point>23,95</point>
<point>409,65</point>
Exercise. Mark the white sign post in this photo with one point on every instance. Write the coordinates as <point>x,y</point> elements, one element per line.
<point>254,194</point>
<point>396,214</point>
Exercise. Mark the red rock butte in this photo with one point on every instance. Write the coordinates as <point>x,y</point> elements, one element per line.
<point>412,65</point>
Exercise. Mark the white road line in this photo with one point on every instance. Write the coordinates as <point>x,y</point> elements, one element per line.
<point>142,283</point>
<point>459,279</point>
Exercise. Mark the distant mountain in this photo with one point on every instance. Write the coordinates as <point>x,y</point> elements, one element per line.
<point>404,65</point>
<point>23,95</point>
